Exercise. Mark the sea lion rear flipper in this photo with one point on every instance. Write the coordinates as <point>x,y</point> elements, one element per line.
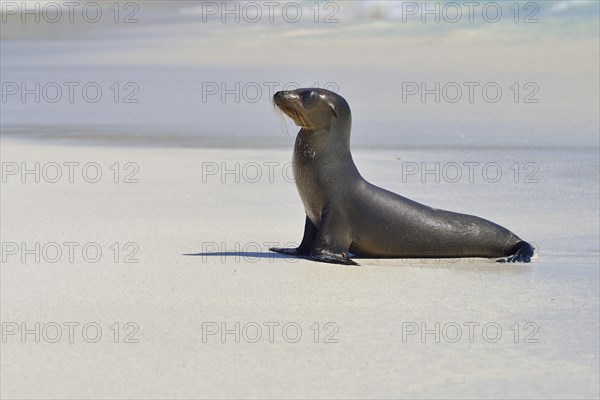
<point>521,252</point>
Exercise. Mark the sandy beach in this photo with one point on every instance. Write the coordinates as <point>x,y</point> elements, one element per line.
<point>179,208</point>
<point>136,224</point>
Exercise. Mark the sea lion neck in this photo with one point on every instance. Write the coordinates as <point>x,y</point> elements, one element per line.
<point>323,149</point>
<point>322,143</point>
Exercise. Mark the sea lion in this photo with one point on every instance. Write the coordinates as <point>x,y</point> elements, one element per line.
<point>345,213</point>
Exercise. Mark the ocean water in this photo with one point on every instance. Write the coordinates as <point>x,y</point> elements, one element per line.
<point>144,79</point>
<point>157,99</point>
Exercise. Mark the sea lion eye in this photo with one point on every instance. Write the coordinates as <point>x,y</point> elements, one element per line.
<point>308,96</point>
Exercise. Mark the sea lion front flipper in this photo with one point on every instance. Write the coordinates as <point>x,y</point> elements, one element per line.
<point>334,259</point>
<point>310,233</point>
<point>333,240</point>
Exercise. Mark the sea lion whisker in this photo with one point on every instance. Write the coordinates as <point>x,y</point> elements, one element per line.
<point>304,118</point>
<point>282,121</point>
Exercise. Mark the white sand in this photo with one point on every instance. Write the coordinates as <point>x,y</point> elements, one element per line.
<point>169,295</point>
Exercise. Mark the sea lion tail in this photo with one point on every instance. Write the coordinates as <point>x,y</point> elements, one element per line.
<point>521,252</point>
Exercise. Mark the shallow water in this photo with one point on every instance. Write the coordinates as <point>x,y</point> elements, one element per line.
<point>149,83</point>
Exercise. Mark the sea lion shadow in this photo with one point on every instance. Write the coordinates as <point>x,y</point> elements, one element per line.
<point>247,256</point>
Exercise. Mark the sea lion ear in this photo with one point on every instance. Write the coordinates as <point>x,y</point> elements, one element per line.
<point>333,110</point>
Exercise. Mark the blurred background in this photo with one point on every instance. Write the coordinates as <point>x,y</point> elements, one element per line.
<point>198,73</point>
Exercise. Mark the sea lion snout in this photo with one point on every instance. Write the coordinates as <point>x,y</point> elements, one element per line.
<point>277,97</point>
<point>284,96</point>
<point>291,104</point>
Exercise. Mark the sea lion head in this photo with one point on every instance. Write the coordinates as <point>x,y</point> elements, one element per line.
<point>313,108</point>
